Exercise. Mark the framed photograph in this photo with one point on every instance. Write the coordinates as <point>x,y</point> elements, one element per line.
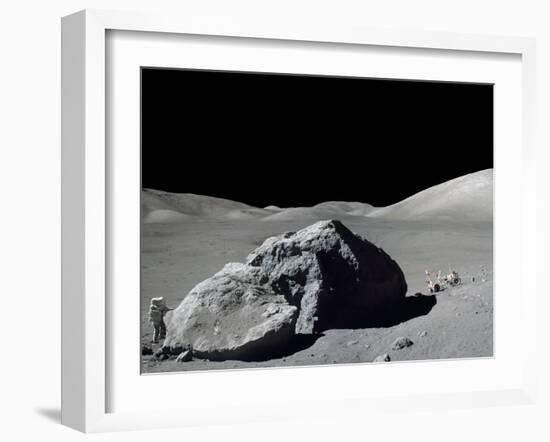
<point>251,209</point>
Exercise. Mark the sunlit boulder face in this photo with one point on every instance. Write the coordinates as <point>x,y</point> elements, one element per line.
<point>325,270</point>
<point>294,283</point>
<point>231,315</point>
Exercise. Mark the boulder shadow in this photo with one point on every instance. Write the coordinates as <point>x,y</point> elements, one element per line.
<point>383,316</point>
<point>296,343</point>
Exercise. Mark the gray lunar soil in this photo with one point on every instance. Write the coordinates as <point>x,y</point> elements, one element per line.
<point>188,238</point>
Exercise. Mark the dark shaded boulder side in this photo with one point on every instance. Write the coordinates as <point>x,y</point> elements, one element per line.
<point>325,270</point>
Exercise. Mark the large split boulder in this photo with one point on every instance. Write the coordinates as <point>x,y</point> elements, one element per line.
<point>294,283</point>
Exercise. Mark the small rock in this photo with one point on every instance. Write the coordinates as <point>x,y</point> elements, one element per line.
<point>161,354</point>
<point>350,343</point>
<point>382,358</point>
<point>146,351</point>
<point>401,343</point>
<point>185,356</point>
<point>367,346</point>
<point>423,333</point>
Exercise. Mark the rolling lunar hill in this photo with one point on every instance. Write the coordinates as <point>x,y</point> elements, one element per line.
<point>159,206</point>
<point>467,198</point>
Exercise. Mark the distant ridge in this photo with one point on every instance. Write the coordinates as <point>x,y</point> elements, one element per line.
<point>308,213</point>
<point>467,198</point>
<point>350,208</point>
<point>190,204</point>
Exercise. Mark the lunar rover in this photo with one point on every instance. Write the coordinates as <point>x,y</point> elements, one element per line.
<point>440,282</point>
<point>452,278</point>
<point>433,286</point>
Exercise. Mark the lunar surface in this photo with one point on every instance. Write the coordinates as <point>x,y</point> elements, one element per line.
<point>188,238</point>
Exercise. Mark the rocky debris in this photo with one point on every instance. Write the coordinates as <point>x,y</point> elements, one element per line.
<point>325,268</point>
<point>294,283</point>
<point>161,354</point>
<point>185,356</point>
<point>146,351</point>
<point>382,358</point>
<point>350,343</point>
<point>423,334</point>
<point>401,343</point>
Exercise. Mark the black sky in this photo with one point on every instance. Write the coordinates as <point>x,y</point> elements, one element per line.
<point>298,140</point>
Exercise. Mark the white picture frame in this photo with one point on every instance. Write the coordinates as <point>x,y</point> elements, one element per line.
<point>87,204</point>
